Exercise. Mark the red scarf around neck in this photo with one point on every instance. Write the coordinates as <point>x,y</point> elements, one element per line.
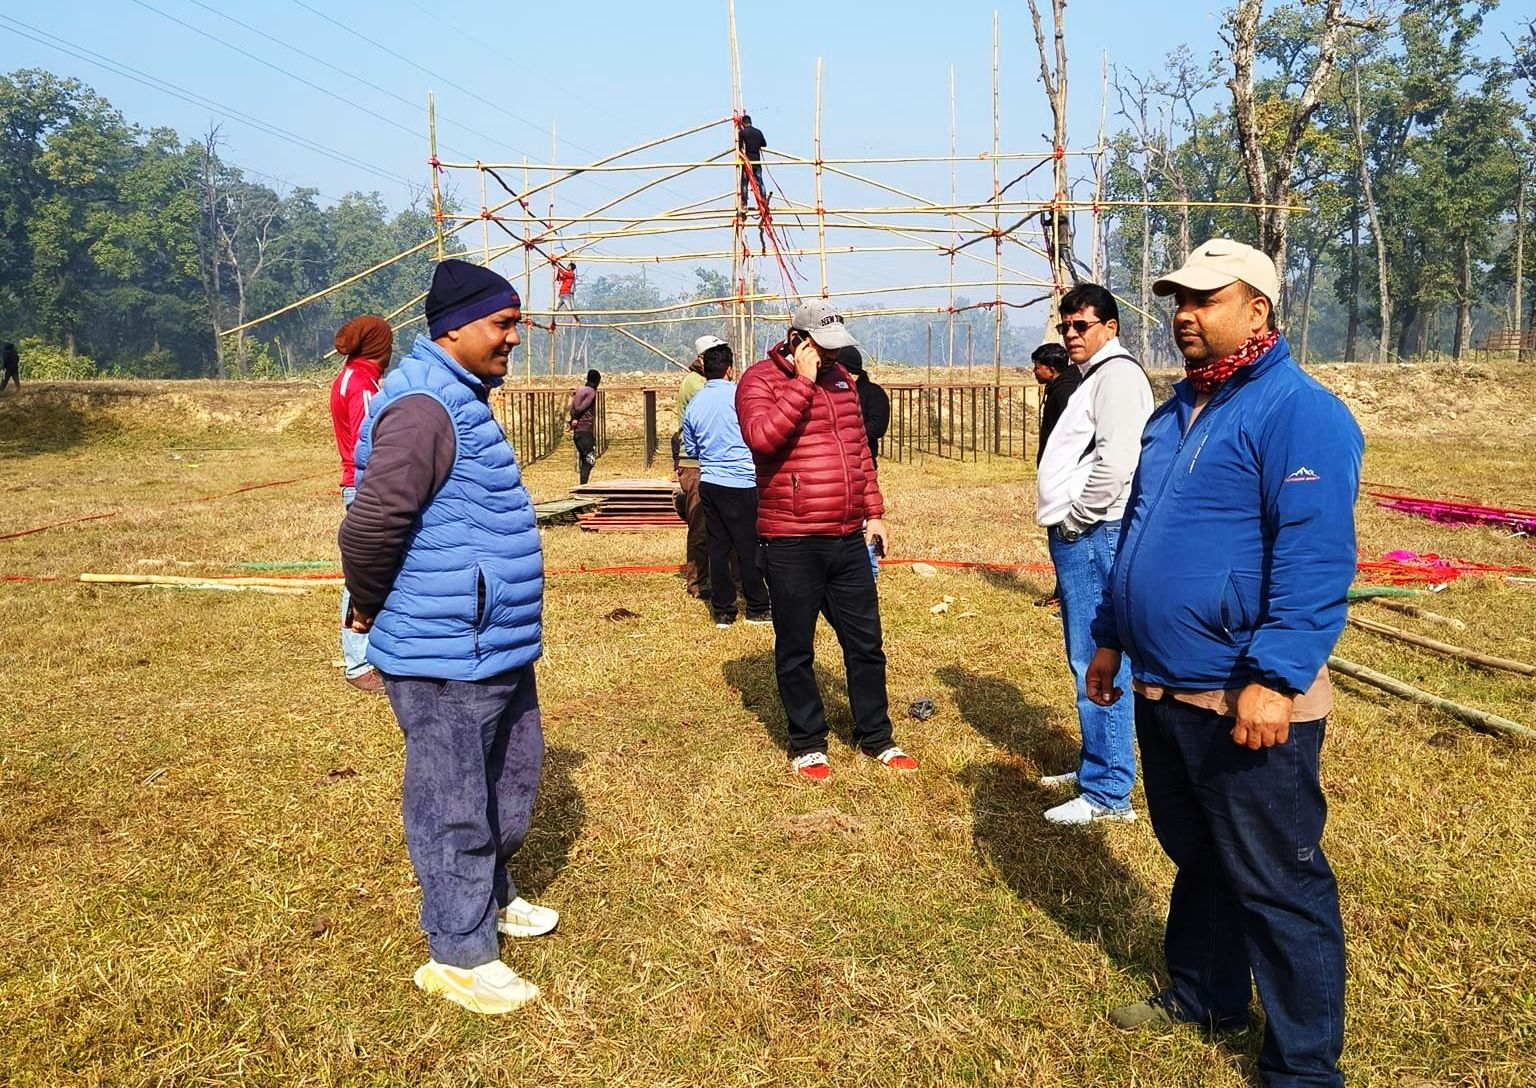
<point>1209,377</point>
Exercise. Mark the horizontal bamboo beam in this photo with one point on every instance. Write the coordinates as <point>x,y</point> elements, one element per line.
<point>1488,661</point>
<point>1409,609</point>
<point>1478,719</point>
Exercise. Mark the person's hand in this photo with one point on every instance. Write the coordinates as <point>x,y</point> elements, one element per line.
<point>1263,717</point>
<point>1100,679</point>
<point>360,621</point>
<point>807,359</point>
<point>875,530</point>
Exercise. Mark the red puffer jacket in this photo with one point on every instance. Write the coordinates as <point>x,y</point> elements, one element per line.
<point>814,473</point>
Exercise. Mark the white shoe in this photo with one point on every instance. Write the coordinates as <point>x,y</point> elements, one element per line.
<point>492,988</point>
<point>521,918</point>
<point>1059,781</point>
<point>1080,811</point>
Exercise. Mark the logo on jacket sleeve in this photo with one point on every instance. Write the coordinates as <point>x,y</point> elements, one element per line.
<point>1303,475</point>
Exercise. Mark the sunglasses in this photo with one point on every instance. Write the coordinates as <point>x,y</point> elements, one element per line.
<point>1079,326</point>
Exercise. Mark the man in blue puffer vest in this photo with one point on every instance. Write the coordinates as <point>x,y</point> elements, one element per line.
<point>1228,595</point>
<point>443,562</point>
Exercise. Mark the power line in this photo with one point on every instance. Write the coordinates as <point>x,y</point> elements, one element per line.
<point>137,75</point>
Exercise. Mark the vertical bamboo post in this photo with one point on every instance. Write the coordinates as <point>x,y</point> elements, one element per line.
<point>821,212</point>
<point>485,223</point>
<point>1098,162</point>
<point>954,234</point>
<point>554,317</point>
<point>739,223</point>
<point>437,193</point>
<point>997,223</point>
<point>527,278</point>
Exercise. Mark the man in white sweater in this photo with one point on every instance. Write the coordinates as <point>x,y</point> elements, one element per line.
<point>1084,481</point>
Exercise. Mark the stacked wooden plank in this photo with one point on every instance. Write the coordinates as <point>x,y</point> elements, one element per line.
<point>629,506</point>
<point>562,511</point>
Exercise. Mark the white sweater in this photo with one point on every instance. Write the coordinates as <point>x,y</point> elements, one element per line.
<point>1085,472</point>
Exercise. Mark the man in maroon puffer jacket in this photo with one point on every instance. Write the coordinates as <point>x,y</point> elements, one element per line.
<point>818,510</point>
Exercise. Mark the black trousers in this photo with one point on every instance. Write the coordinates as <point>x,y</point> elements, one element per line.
<point>11,376</point>
<point>585,442</point>
<point>807,574</point>
<point>730,519</point>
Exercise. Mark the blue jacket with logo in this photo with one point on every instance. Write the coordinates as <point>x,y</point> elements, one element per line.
<point>1238,544</point>
<point>468,600</point>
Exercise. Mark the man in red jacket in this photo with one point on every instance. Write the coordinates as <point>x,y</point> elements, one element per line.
<point>819,508</point>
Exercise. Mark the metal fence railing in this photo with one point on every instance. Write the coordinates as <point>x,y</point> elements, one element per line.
<point>534,421</point>
<point>964,422</point>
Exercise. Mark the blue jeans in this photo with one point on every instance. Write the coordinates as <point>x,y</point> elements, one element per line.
<point>1254,893</point>
<point>474,750</point>
<point>354,647</point>
<point>1107,767</point>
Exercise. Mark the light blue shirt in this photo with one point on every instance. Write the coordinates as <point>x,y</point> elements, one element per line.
<point>712,434</point>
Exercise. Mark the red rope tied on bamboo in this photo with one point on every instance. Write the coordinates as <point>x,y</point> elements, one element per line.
<point>436,164</point>
<point>1059,153</point>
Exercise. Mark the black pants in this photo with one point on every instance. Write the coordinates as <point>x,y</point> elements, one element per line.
<point>1254,901</point>
<point>748,196</point>
<point>730,517</point>
<point>11,376</point>
<point>805,575</point>
<point>585,442</point>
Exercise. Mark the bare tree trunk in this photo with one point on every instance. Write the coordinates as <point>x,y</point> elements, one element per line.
<point>1306,300</point>
<point>211,273</point>
<point>1520,332</point>
<point>1462,339</point>
<point>1055,85</point>
<point>1383,282</point>
<point>1352,331</point>
<point>1270,183</point>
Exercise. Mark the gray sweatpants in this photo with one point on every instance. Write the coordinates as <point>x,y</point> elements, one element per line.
<point>473,754</point>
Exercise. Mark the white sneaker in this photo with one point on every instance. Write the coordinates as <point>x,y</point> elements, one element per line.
<point>1080,810</point>
<point>1059,781</point>
<point>492,988</point>
<point>521,918</point>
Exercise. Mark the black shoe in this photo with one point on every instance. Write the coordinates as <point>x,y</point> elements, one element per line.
<point>722,620</point>
<point>759,617</point>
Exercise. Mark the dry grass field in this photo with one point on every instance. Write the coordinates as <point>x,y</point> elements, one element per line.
<point>203,878</point>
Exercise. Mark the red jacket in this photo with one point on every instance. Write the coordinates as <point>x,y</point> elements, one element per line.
<point>353,388</point>
<point>814,473</point>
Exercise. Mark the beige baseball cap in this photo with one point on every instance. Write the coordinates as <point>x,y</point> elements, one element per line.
<point>1221,261</point>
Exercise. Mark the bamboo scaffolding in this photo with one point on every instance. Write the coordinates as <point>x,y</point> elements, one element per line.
<point>997,218</point>
<point>982,156</point>
<point>554,322</point>
<point>1478,719</point>
<point>527,284</point>
<point>1409,609</point>
<point>437,196</point>
<point>821,213</point>
<point>1487,661</point>
<point>954,235</point>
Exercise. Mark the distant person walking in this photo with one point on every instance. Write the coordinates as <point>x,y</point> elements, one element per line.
<point>10,361</point>
<point>565,284</point>
<point>686,468</point>
<point>1228,597</point>
<point>583,424</point>
<point>727,491</point>
<point>819,510</point>
<point>366,345</point>
<point>751,141</point>
<point>442,556</point>
<point>1084,483</point>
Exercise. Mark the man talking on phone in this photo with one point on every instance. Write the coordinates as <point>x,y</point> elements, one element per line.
<point>819,510</point>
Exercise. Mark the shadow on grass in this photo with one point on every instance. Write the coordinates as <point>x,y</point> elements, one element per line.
<point>37,422</point>
<point>559,816</point>
<point>1026,582</point>
<point>753,678</point>
<point>1069,874</point>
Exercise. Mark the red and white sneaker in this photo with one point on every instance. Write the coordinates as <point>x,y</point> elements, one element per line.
<point>812,766</point>
<point>897,760</point>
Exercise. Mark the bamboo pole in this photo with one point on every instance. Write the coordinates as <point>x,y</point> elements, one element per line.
<point>954,235</point>
<point>195,580</point>
<point>485,224</point>
<point>554,321</point>
<point>1414,610</point>
<point>437,196</point>
<point>1487,661</point>
<point>1478,719</point>
<point>587,168</point>
<point>821,214</point>
<point>1098,160</point>
<point>527,282</point>
<point>997,222</point>
<point>739,222</point>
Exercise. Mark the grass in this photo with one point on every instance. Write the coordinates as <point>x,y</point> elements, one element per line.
<point>198,892</point>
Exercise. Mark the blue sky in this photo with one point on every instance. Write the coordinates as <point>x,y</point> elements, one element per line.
<point>606,75</point>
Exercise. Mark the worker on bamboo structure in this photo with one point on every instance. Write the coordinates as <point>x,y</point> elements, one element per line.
<point>366,345</point>
<point>819,509</point>
<point>442,558</point>
<point>750,142</point>
<point>565,285</point>
<point>1228,595</point>
<point>1083,483</point>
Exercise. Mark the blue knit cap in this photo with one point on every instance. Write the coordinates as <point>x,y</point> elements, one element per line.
<point>463,292</point>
